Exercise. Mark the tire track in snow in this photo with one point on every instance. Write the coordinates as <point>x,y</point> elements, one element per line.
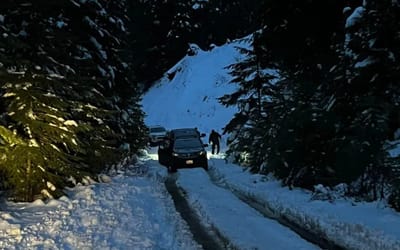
<point>208,238</point>
<point>244,226</point>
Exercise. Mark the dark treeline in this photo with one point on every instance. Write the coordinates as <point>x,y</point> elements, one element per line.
<point>319,96</point>
<point>69,103</point>
<point>162,30</point>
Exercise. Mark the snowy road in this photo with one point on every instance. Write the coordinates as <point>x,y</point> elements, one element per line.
<point>205,235</point>
<point>236,221</point>
<point>238,225</point>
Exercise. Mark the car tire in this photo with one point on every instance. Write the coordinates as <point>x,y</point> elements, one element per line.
<point>172,169</point>
<point>205,166</point>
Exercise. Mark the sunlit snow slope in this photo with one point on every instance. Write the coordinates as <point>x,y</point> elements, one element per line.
<point>187,94</point>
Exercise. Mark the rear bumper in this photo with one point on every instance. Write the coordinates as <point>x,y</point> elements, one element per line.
<point>200,161</point>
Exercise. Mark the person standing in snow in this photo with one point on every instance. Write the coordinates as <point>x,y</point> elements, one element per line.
<point>214,139</point>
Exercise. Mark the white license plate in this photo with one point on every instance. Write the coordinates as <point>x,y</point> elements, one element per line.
<point>189,162</point>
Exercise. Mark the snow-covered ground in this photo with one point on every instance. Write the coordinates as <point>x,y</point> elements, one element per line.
<point>129,212</point>
<point>133,210</point>
<point>189,99</point>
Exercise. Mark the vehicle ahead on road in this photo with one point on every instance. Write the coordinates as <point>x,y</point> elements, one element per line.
<point>184,133</point>
<point>157,134</point>
<point>183,148</point>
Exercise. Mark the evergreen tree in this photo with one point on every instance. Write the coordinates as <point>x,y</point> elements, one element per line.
<point>368,96</point>
<point>327,118</point>
<point>220,25</point>
<point>152,18</point>
<point>300,35</point>
<point>295,124</point>
<point>69,102</point>
<point>39,141</point>
<point>253,96</point>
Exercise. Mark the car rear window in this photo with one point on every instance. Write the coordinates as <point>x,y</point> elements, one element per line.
<point>185,133</point>
<point>187,143</point>
<point>157,130</point>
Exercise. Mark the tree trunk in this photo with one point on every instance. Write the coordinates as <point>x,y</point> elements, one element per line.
<point>29,192</point>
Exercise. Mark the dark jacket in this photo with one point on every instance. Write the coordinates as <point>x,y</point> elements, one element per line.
<point>214,137</point>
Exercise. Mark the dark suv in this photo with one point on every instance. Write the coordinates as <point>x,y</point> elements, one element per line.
<point>183,148</point>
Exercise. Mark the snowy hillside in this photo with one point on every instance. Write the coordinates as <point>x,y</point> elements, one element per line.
<point>187,95</point>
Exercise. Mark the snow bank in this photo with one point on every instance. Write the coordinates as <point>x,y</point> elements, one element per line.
<point>129,212</point>
<point>351,225</point>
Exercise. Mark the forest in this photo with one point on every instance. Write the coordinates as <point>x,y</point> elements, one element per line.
<point>317,95</point>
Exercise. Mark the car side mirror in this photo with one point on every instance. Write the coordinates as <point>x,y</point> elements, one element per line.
<point>203,135</point>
